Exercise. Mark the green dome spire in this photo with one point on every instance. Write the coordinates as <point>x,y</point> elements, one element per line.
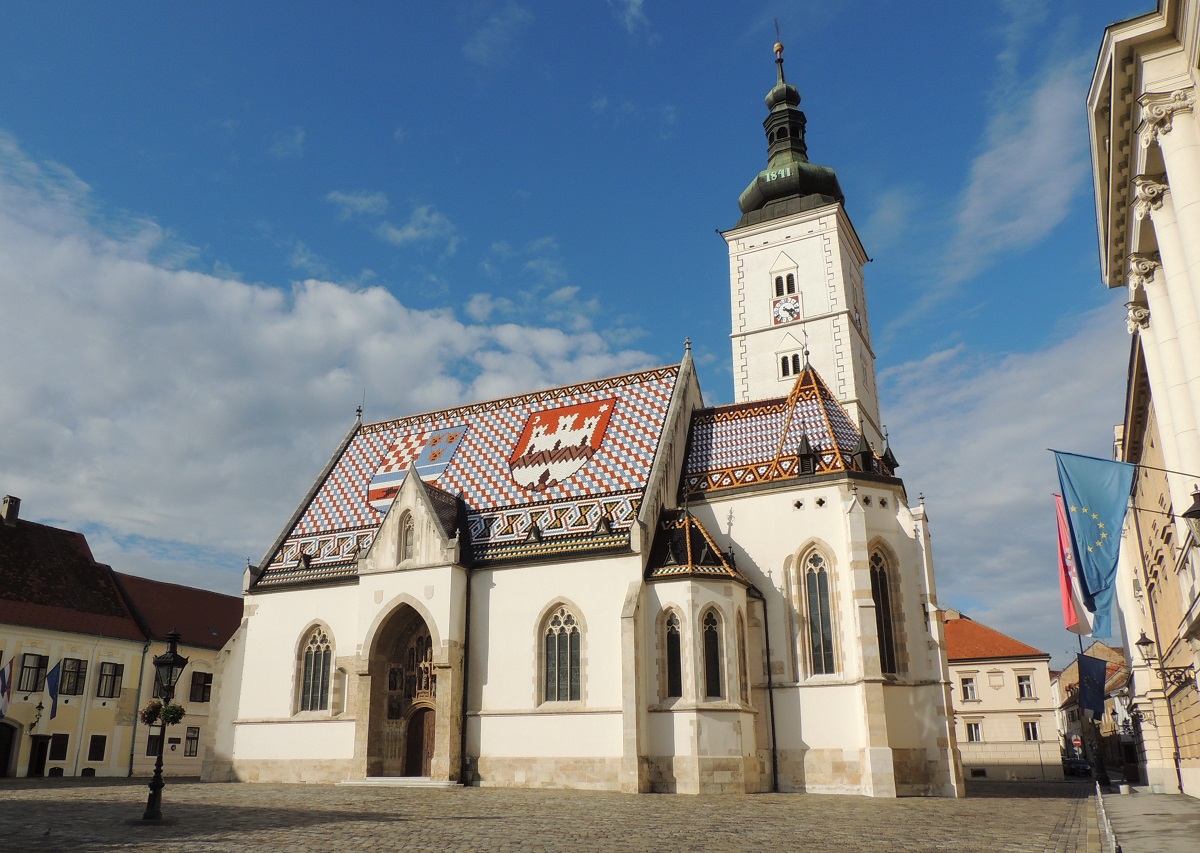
<point>789,183</point>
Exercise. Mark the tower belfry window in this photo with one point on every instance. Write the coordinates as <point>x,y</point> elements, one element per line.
<point>779,285</point>
<point>791,283</point>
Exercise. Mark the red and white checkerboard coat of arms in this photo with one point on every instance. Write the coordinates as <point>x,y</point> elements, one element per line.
<point>558,442</point>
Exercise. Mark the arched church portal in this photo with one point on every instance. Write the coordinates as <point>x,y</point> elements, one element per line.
<point>404,698</point>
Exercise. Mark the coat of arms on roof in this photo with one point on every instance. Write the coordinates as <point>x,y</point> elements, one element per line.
<point>430,451</point>
<point>556,443</point>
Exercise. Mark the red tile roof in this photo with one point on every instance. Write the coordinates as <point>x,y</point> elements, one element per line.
<point>49,579</point>
<point>966,639</point>
<point>202,618</point>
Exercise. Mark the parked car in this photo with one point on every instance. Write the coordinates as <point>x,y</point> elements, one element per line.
<point>1076,767</point>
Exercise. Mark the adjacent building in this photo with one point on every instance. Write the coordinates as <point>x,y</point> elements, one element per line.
<point>80,640</point>
<point>1145,141</point>
<point>614,585</point>
<point>1004,709</point>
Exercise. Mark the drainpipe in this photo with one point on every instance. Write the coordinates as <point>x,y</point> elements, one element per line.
<point>753,592</point>
<point>463,773</point>
<point>137,710</point>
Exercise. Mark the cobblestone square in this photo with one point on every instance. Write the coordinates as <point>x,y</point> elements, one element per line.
<point>94,815</point>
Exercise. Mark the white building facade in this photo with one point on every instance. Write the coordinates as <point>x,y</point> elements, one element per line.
<point>1145,138</point>
<point>610,585</point>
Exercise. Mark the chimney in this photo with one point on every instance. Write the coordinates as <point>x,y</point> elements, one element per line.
<point>9,510</point>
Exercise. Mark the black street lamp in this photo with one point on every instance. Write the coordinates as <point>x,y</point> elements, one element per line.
<point>167,670</point>
<point>1174,676</point>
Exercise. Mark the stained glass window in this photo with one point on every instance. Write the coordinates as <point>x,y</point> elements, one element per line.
<point>712,656</point>
<point>820,619</point>
<point>562,657</point>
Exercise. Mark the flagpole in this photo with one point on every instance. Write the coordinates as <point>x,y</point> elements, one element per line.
<point>1135,464</point>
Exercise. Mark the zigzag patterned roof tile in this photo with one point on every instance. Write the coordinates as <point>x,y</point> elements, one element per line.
<point>749,443</point>
<point>562,459</point>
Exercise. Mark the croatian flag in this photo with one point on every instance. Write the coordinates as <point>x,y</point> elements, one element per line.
<point>1096,496</point>
<point>1076,617</point>
<point>6,685</point>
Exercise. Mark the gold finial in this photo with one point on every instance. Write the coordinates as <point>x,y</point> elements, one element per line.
<point>778,41</point>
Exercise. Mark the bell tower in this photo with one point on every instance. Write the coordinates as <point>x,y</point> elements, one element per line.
<point>796,274</point>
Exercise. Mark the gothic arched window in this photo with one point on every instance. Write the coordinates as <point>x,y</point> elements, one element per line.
<point>406,537</point>
<point>562,639</point>
<point>881,593</point>
<point>820,619</point>
<point>674,656</point>
<point>743,678</point>
<point>711,627</point>
<point>315,663</point>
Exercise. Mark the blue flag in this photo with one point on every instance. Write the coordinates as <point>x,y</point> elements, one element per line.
<point>1096,494</point>
<point>1091,684</point>
<point>52,678</point>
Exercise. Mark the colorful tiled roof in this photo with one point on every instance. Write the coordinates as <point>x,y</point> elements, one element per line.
<point>561,460</point>
<point>966,639</point>
<point>683,549</point>
<point>749,443</point>
<point>49,579</point>
<point>202,618</point>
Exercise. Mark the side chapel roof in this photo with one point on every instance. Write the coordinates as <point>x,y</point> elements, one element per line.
<point>762,441</point>
<point>534,476</point>
<point>683,549</point>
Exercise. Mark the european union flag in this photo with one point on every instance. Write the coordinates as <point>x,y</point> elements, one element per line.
<point>52,679</point>
<point>1092,673</point>
<point>1096,494</point>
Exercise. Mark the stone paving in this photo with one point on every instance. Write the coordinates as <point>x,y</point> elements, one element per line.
<point>88,815</point>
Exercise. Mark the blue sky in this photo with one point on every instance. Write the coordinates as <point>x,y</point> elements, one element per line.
<point>221,226</point>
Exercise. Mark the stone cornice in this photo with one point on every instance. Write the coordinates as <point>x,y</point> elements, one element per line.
<point>1158,112</point>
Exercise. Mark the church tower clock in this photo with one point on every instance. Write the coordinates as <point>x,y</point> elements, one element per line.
<point>796,275</point>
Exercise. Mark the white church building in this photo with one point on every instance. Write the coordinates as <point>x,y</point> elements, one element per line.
<point>611,585</point>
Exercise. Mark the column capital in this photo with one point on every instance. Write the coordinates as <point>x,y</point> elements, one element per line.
<point>1149,193</point>
<point>1158,111</point>
<point>1138,317</point>
<point>1142,268</point>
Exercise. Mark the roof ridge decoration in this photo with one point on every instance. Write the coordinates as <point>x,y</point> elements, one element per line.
<point>544,395</point>
<point>758,442</point>
<point>683,548</point>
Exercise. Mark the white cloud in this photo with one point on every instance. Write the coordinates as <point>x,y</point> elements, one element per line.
<point>176,417</point>
<point>971,432</point>
<point>493,42</point>
<point>358,203</point>
<point>307,261</point>
<point>424,225</point>
<point>288,144</point>
<point>630,14</point>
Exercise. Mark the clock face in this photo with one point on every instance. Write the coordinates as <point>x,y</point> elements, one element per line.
<point>785,310</point>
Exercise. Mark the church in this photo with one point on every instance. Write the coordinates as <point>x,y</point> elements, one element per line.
<point>611,585</point>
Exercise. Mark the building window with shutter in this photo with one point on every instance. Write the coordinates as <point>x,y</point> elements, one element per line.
<point>191,742</point>
<point>74,675</point>
<point>108,686</point>
<point>201,687</point>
